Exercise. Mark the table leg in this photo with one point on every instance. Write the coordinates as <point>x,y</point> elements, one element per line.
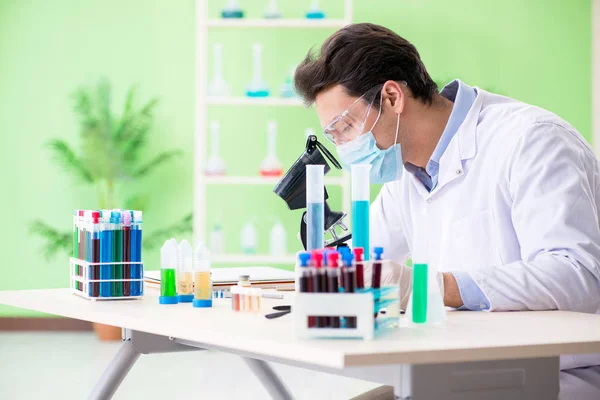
<point>115,372</point>
<point>269,379</point>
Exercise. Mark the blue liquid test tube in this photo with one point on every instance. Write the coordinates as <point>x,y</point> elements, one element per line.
<point>105,253</point>
<point>136,253</point>
<point>315,214</point>
<point>360,206</point>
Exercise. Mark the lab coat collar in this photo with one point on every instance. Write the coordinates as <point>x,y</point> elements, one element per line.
<point>462,147</point>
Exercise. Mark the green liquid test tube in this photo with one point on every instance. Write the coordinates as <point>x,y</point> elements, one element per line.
<point>419,303</point>
<point>168,268</point>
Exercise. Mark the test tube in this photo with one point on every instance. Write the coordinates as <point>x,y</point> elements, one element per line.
<point>315,198</point>
<point>136,253</point>
<point>349,273</point>
<point>168,267</point>
<point>360,205</point>
<point>426,304</point>
<point>305,275</point>
<point>202,281</point>
<point>319,279</point>
<point>358,263</point>
<point>333,277</point>
<point>126,232</point>
<point>76,242</point>
<point>376,276</point>
<point>117,241</point>
<point>185,273</point>
<point>105,254</point>
<point>95,254</point>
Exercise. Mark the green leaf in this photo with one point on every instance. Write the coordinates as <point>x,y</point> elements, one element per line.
<point>64,155</point>
<point>55,240</point>
<point>156,161</point>
<point>103,93</point>
<point>157,238</point>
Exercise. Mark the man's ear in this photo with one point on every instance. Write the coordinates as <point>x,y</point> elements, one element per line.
<point>394,95</point>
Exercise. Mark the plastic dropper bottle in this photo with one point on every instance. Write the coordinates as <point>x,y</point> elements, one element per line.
<point>257,87</point>
<point>315,12</point>
<point>168,264</point>
<point>272,11</point>
<point>215,165</point>
<point>232,10</point>
<point>218,87</point>
<point>202,281</point>
<point>185,274</point>
<point>249,238</point>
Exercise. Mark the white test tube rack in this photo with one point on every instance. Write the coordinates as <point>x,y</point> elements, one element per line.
<point>80,283</point>
<point>362,305</point>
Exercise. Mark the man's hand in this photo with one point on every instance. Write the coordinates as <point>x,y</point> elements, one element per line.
<point>393,273</point>
<point>451,293</point>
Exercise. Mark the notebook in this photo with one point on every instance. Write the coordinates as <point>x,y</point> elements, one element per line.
<point>259,276</point>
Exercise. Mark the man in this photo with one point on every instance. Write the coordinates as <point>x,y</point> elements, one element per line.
<point>499,196</point>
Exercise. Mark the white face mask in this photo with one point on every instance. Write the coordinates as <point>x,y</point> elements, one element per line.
<point>386,164</point>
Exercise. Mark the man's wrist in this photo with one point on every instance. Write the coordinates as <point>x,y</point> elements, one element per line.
<point>451,293</point>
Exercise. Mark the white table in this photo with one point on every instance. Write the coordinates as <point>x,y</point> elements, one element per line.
<point>474,355</point>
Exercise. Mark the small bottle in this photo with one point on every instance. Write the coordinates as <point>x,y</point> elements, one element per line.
<point>235,298</point>
<point>271,166</point>
<point>232,10</point>
<point>315,12</point>
<point>277,240</point>
<point>249,238</point>
<point>202,281</point>
<point>168,264</point>
<point>217,240</point>
<point>287,87</point>
<point>244,281</point>
<point>215,165</point>
<point>272,11</point>
<point>185,273</point>
<point>257,87</point>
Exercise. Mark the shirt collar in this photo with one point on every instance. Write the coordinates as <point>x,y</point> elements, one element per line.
<point>463,97</point>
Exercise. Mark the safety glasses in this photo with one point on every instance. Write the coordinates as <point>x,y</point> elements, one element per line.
<point>351,123</point>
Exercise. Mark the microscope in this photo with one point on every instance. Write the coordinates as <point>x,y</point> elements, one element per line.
<point>292,189</point>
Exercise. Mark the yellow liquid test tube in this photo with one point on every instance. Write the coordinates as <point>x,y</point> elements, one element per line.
<point>185,273</point>
<point>202,281</point>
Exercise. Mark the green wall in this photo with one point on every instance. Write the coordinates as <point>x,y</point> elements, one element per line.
<point>536,51</point>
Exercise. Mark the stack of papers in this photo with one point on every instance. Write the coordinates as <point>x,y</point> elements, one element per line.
<point>259,277</point>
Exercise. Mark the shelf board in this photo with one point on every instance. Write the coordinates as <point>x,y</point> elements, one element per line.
<point>257,259</point>
<point>254,101</point>
<point>276,23</point>
<point>258,180</point>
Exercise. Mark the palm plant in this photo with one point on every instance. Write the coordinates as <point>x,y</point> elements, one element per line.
<point>111,149</point>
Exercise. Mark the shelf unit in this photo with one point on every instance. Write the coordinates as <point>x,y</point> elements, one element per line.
<point>256,101</point>
<point>203,102</point>
<point>259,180</point>
<point>276,23</point>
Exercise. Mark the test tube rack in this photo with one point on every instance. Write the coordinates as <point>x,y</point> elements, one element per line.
<point>82,284</point>
<point>362,305</point>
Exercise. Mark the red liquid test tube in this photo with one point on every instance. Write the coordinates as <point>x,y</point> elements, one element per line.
<point>333,278</point>
<point>359,265</point>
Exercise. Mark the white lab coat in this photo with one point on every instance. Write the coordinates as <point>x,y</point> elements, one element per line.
<point>516,206</point>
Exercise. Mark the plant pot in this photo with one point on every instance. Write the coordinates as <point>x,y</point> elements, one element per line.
<point>107,332</point>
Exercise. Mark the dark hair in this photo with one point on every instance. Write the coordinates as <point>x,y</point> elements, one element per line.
<point>360,57</point>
